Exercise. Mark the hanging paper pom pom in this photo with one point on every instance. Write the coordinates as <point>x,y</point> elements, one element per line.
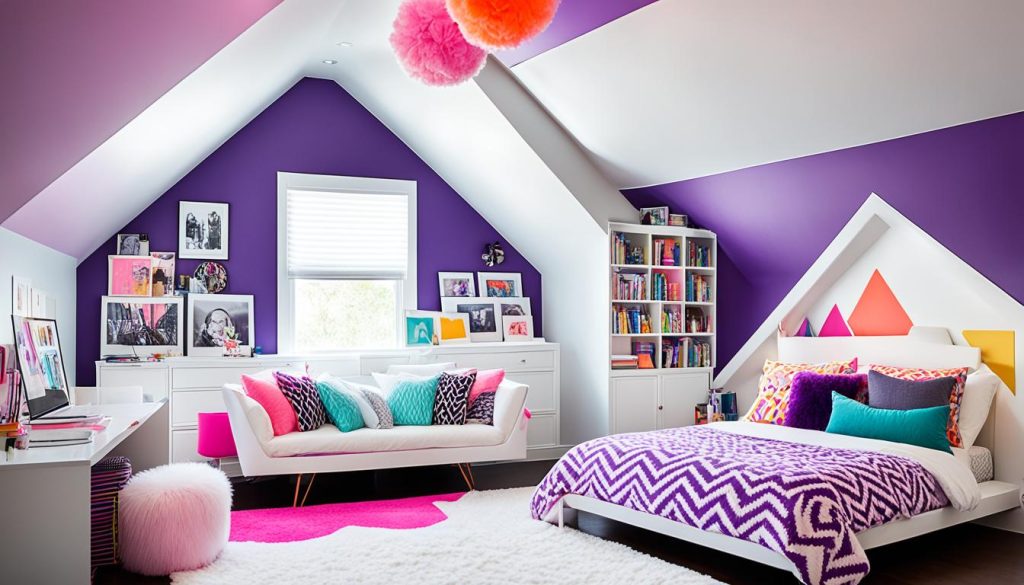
<point>430,45</point>
<point>502,24</point>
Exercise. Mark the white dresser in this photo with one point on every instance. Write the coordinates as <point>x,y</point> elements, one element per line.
<point>193,384</point>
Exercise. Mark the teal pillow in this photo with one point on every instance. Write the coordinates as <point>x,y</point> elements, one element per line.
<point>341,408</point>
<point>412,402</point>
<point>924,427</point>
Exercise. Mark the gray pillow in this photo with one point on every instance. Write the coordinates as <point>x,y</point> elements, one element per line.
<point>895,394</point>
<point>380,408</point>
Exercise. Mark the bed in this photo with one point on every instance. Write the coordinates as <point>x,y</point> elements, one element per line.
<point>807,502</point>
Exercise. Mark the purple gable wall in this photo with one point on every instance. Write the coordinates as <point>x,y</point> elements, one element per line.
<point>316,127</point>
<point>963,185</point>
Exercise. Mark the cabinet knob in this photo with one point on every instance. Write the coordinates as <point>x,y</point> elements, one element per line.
<point>522,361</point>
<point>661,407</point>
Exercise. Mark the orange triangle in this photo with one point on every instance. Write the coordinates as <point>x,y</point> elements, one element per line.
<point>878,312</point>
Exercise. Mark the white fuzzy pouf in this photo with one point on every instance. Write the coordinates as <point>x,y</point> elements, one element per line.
<point>174,518</point>
<point>488,537</point>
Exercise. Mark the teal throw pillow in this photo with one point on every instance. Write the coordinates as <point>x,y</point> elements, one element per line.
<point>412,401</point>
<point>924,427</point>
<point>341,408</point>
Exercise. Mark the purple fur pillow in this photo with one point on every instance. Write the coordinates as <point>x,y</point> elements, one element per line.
<point>810,398</point>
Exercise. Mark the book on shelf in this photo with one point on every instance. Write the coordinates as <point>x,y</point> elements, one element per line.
<point>685,352</point>
<point>666,252</point>
<point>631,320</point>
<point>630,287</point>
<point>698,288</point>
<point>623,252</point>
<point>625,362</point>
<point>698,255</point>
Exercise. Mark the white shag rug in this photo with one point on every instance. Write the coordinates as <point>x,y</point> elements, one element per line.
<point>488,537</point>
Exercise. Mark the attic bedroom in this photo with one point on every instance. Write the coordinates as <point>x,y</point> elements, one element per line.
<point>532,291</point>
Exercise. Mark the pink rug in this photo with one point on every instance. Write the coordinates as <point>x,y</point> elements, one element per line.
<point>291,524</point>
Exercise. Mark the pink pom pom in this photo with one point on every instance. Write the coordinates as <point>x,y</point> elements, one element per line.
<point>430,45</point>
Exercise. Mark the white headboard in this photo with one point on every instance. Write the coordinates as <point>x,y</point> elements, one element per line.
<point>923,347</point>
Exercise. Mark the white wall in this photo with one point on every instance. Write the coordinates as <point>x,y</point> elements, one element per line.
<point>49,270</point>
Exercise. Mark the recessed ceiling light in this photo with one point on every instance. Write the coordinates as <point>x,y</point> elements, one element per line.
<point>345,44</point>
<point>330,62</point>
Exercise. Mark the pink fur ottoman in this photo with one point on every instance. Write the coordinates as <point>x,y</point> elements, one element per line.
<point>174,518</point>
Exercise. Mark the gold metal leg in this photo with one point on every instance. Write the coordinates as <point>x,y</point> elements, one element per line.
<point>308,487</point>
<point>467,475</point>
<point>295,498</point>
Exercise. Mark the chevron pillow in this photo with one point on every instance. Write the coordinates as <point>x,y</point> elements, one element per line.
<point>452,397</point>
<point>301,392</point>
<point>341,407</point>
<point>481,412</point>
<point>412,402</point>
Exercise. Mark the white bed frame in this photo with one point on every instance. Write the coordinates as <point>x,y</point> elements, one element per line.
<point>924,347</point>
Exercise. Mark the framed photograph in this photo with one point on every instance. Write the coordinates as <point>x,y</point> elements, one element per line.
<point>678,220</point>
<point>163,273</point>
<point>654,215</point>
<point>500,284</point>
<point>40,302</point>
<point>515,307</point>
<point>454,328</point>
<point>422,328</point>
<point>21,296</point>
<point>484,316</point>
<point>214,319</point>
<point>456,284</point>
<point>212,275</point>
<point>141,326</point>
<point>517,327</point>
<point>41,363</point>
<point>133,244</point>
<point>129,276</point>
<point>203,230</point>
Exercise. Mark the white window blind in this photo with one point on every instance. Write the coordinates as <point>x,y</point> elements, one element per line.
<point>344,235</point>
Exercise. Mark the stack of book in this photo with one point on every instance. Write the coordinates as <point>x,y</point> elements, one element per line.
<point>672,321</point>
<point>644,352</point>
<point>685,353</point>
<point>624,362</point>
<point>630,320</point>
<point>698,289</point>
<point>630,287</point>
<point>65,432</point>
<point>698,255</point>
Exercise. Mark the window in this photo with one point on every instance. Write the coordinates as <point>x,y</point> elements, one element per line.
<point>346,261</point>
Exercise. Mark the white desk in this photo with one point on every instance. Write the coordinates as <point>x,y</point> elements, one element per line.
<point>44,494</point>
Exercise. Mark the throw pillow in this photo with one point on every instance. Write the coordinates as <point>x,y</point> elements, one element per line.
<point>486,381</point>
<point>388,382</point>
<point>481,412</point>
<point>421,369</point>
<point>955,397</point>
<point>452,398</point>
<point>302,393</point>
<point>980,389</point>
<point>342,409</point>
<point>385,420</point>
<point>412,402</point>
<point>924,427</point>
<point>355,392</point>
<point>269,396</point>
<point>773,389</point>
<point>810,398</point>
<point>896,394</point>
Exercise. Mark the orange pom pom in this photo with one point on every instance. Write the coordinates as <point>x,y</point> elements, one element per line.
<point>502,24</point>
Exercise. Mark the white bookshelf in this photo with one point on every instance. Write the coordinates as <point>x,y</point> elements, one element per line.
<point>662,396</point>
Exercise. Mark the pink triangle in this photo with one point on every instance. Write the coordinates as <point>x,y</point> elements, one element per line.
<point>805,329</point>
<point>835,325</point>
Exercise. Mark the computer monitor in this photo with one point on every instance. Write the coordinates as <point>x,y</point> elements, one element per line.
<point>41,363</point>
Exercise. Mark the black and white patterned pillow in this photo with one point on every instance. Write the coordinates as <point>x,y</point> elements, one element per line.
<point>451,398</point>
<point>301,392</point>
<point>481,411</point>
<point>380,408</point>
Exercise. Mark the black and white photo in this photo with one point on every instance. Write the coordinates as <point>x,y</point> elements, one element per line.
<point>133,244</point>
<point>515,306</point>
<point>203,230</point>
<point>216,319</point>
<point>484,316</point>
<point>143,326</point>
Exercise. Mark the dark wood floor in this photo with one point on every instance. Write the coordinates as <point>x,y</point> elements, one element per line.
<point>961,555</point>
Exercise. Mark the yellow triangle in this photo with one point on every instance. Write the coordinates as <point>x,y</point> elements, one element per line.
<point>997,350</point>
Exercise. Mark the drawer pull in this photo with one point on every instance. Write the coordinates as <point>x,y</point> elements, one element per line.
<point>522,361</point>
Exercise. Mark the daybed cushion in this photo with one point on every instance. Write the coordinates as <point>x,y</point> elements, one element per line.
<point>327,439</point>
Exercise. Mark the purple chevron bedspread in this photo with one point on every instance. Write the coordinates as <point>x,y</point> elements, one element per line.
<point>806,502</point>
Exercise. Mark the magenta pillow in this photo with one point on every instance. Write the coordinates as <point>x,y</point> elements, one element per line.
<point>810,397</point>
<point>486,381</point>
<point>282,415</point>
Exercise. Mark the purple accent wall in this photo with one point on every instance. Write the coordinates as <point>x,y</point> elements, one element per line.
<point>963,185</point>
<point>574,18</point>
<point>316,127</point>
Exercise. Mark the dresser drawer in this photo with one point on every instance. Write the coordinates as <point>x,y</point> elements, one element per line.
<point>215,377</point>
<point>183,447</point>
<point>542,389</point>
<point>542,431</point>
<point>185,406</point>
<point>508,361</point>
<point>152,380</point>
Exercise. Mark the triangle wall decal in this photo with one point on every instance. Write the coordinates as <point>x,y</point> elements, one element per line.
<point>835,325</point>
<point>878,312</point>
<point>805,329</point>
<point>998,351</point>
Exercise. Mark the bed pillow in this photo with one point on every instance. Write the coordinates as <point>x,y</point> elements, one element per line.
<point>269,396</point>
<point>412,402</point>
<point>341,407</point>
<point>452,398</point>
<point>955,398</point>
<point>810,398</point>
<point>302,393</point>
<point>420,369</point>
<point>777,378</point>
<point>979,390</point>
<point>486,381</point>
<point>924,427</point>
<point>898,394</point>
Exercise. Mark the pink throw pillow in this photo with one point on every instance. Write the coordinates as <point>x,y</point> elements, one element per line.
<point>486,381</point>
<point>282,415</point>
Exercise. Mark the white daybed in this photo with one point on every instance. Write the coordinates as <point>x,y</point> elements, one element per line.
<point>925,347</point>
<point>328,450</point>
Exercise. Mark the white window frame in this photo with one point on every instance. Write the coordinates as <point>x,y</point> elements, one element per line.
<point>286,287</point>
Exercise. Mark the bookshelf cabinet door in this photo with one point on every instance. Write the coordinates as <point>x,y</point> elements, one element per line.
<point>634,404</point>
<point>678,396</point>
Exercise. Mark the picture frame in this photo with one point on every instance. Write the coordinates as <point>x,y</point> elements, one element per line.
<point>500,284</point>
<point>129,276</point>
<point>212,318</point>
<point>41,363</point>
<point>519,306</point>
<point>654,215</point>
<point>483,314</point>
<point>422,328</point>
<point>456,284</point>
<point>21,296</point>
<point>163,273</point>
<point>141,326</point>
<point>133,244</point>
<point>203,230</point>
<point>517,327</point>
<point>678,220</point>
<point>454,328</point>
